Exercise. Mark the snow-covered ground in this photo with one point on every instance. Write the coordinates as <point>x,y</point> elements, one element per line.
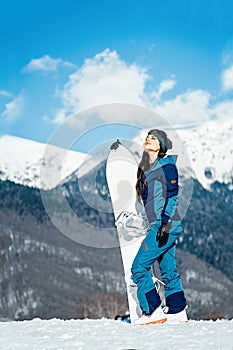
<point>115,335</point>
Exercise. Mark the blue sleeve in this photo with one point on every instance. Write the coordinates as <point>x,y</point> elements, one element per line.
<point>171,188</point>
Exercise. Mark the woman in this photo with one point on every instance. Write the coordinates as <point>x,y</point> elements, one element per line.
<point>157,186</point>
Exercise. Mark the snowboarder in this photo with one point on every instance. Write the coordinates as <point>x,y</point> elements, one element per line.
<point>157,186</point>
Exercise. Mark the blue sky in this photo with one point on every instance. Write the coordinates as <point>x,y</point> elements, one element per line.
<point>60,57</point>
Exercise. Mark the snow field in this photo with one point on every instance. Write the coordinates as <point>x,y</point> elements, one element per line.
<point>106,334</point>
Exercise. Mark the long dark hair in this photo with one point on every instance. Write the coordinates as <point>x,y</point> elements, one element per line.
<point>144,164</point>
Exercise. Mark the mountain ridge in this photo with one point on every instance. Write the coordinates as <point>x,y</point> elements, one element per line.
<point>29,241</point>
<point>21,161</point>
<point>205,149</point>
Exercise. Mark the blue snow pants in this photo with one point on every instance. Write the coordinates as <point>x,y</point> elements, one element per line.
<point>149,251</point>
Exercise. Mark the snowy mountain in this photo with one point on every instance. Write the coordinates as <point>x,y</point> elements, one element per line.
<point>45,274</point>
<point>21,161</point>
<point>106,334</point>
<point>210,150</point>
<point>205,152</point>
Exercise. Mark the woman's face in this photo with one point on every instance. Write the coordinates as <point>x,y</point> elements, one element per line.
<point>151,143</point>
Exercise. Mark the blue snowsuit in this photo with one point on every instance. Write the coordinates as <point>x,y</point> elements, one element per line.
<point>159,192</point>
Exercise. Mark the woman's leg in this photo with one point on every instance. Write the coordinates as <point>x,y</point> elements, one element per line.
<point>174,294</point>
<point>149,251</point>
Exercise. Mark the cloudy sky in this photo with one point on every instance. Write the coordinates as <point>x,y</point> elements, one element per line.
<point>62,57</point>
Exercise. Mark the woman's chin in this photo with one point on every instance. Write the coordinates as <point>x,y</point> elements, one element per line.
<point>149,149</point>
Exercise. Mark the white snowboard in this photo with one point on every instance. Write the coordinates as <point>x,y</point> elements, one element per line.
<point>121,173</point>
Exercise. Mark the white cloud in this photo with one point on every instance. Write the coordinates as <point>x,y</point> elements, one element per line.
<point>227,79</point>
<point>60,116</point>
<point>13,109</point>
<point>164,86</point>
<point>5,93</point>
<point>105,78</point>
<point>191,107</point>
<point>46,64</point>
<point>223,110</point>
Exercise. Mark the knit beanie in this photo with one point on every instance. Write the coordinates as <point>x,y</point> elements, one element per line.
<point>165,142</point>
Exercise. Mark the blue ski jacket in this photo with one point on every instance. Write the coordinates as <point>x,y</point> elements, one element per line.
<point>159,190</point>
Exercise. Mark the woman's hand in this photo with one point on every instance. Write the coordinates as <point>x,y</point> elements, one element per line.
<point>163,233</point>
<point>115,145</point>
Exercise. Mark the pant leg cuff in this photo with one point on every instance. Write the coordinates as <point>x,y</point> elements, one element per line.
<point>176,302</point>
